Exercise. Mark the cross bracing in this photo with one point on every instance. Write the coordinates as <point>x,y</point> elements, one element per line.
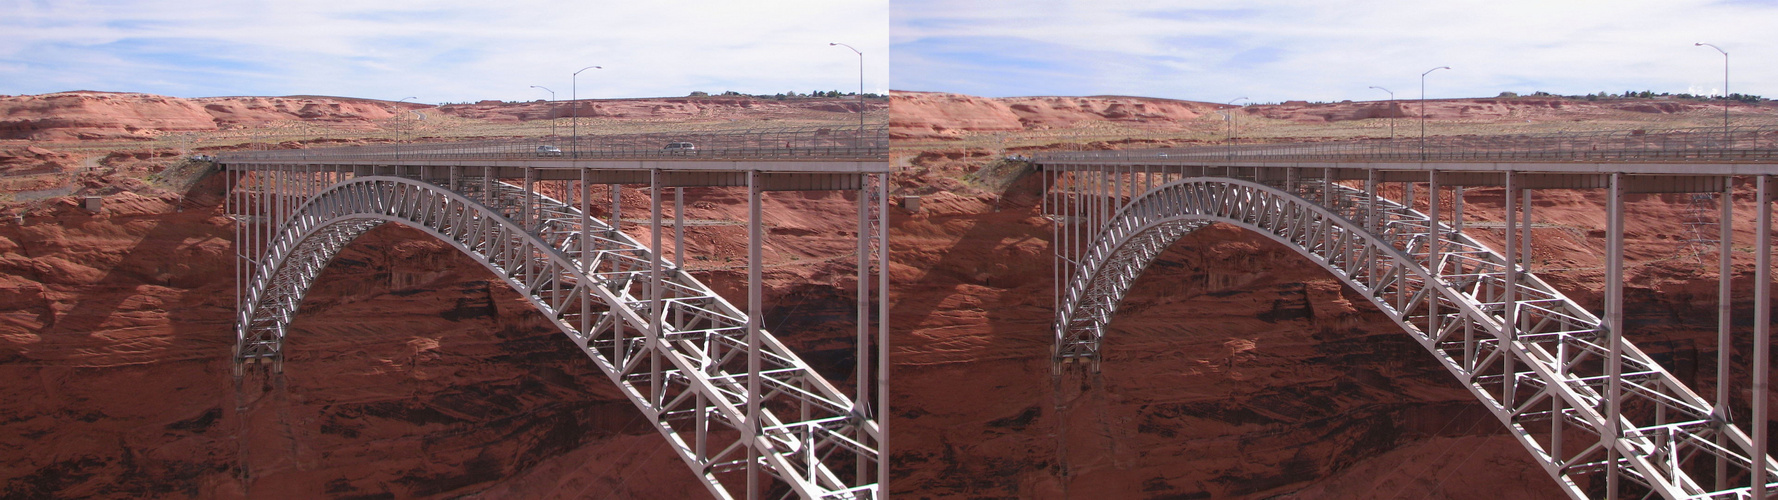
<point>1601,416</point>
<point>741,409</point>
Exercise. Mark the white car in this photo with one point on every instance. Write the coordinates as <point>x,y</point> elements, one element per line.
<point>679,148</point>
<point>549,151</point>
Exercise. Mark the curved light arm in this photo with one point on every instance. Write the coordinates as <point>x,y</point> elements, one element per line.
<point>1435,69</point>
<point>1391,93</point>
<point>1225,112</point>
<point>552,93</point>
<point>577,72</point>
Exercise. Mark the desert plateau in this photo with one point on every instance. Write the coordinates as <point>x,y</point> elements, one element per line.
<point>1236,370</point>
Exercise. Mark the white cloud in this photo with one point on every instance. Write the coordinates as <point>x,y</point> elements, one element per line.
<point>441,50</point>
<point>1329,50</point>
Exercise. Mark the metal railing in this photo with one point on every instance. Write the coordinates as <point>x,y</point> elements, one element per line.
<point>1735,144</point>
<point>828,142</point>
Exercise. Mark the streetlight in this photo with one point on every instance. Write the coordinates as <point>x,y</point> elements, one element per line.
<point>1229,118</point>
<point>1725,88</point>
<point>1392,108</point>
<point>403,136</point>
<point>860,89</point>
<point>1423,109</point>
<point>574,94</point>
<point>552,109</point>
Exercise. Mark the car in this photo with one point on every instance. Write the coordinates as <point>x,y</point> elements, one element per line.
<point>679,148</point>
<point>549,151</point>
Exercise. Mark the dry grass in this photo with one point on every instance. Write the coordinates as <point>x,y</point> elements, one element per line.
<point>1212,129</point>
<point>435,127</point>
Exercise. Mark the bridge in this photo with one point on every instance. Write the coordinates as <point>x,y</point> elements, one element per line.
<point>1600,416</point>
<point>743,411</point>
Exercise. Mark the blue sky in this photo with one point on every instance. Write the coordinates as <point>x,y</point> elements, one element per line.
<point>440,51</point>
<point>1271,51</point>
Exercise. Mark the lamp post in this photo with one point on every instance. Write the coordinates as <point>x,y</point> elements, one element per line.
<point>552,109</point>
<point>860,89</point>
<point>402,137</point>
<point>1725,89</point>
<point>1229,118</point>
<point>1423,109</point>
<point>574,95</point>
<point>1392,115</point>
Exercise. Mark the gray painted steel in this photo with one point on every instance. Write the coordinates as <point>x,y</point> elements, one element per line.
<point>1597,413</point>
<point>732,401</point>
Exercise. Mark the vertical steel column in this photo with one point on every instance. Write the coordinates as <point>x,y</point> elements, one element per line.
<point>1725,343</point>
<point>1370,212</point>
<point>1432,254</point>
<point>525,212</point>
<point>679,239</point>
<point>1048,177</point>
<point>1457,209</point>
<point>1614,321</point>
<point>1510,281</point>
<point>620,353</point>
<point>1117,192</point>
<point>655,312</point>
<point>883,335</point>
<point>863,299</point>
<point>755,255</point>
<point>585,259</point>
<point>1762,335</point>
<point>1407,196</point>
<point>1327,238</point>
<point>1326,188</point>
<point>232,181</point>
<point>862,370</point>
<point>1370,226</point>
<point>1525,239</point>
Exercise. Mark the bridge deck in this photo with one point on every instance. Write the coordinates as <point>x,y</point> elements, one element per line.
<point>1627,427</point>
<point>741,409</point>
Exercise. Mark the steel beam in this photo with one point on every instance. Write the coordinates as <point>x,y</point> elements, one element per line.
<point>1525,347</point>
<point>589,279</point>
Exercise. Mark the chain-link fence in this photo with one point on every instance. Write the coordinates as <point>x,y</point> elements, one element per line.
<point>839,142</point>
<point>1734,144</point>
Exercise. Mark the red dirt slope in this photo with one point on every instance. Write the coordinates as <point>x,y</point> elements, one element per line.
<point>923,115</point>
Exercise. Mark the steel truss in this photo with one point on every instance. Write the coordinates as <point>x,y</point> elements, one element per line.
<point>729,398</point>
<point>1590,407</point>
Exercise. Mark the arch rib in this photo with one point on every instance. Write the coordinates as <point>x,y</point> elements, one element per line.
<point>811,433</point>
<point>1543,374</point>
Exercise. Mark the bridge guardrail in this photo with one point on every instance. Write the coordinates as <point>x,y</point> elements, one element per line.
<point>1753,143</point>
<point>839,142</point>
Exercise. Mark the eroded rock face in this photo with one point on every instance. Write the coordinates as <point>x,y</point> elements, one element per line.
<point>678,109</point>
<point>1236,368</point>
<point>89,115</point>
<point>410,371</point>
<point>945,116</point>
<point>97,115</point>
<point>938,115</point>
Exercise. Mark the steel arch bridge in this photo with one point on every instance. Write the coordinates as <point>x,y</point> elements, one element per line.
<point>1597,413</point>
<point>736,404</point>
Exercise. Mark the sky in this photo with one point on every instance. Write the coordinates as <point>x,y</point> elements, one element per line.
<point>1330,50</point>
<point>441,51</point>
